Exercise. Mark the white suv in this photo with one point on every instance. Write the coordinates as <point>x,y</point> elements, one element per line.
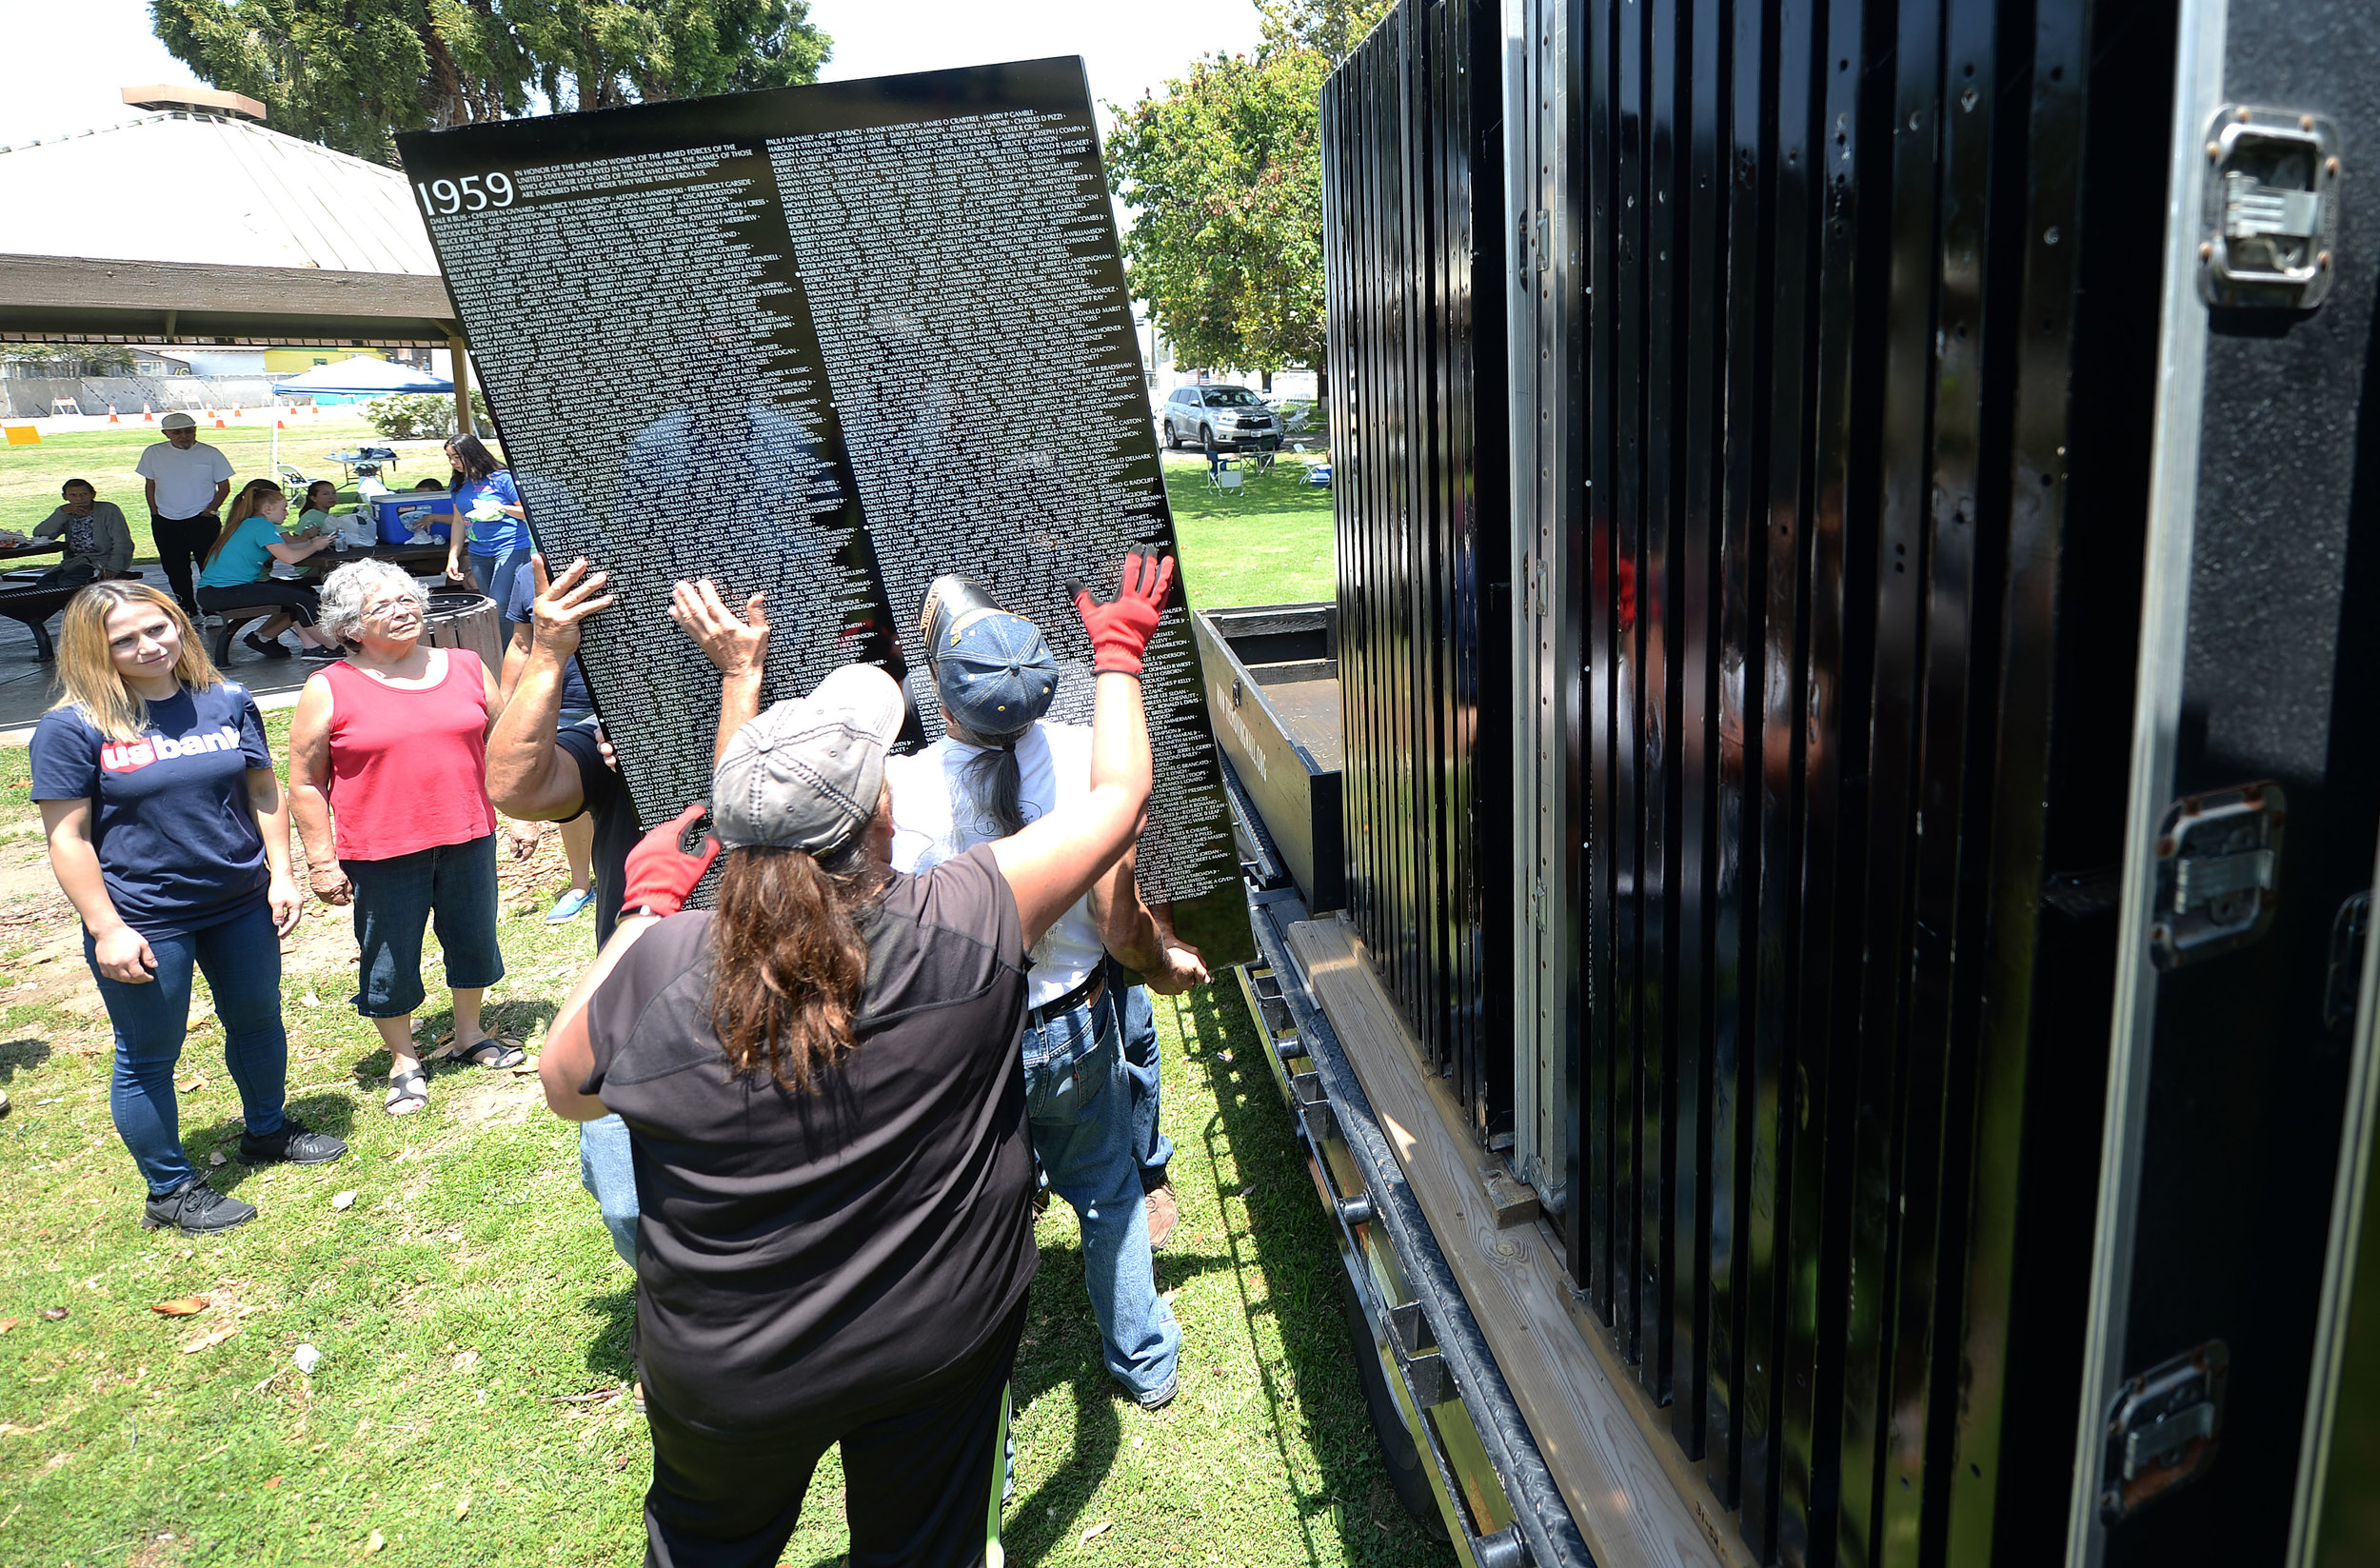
<point>1220,416</point>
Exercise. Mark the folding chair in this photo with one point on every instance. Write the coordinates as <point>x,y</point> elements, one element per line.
<point>1225,476</point>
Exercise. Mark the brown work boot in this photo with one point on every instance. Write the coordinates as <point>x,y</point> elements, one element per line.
<point>1162,1213</point>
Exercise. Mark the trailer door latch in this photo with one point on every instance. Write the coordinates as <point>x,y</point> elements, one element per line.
<point>2163,1430</point>
<point>2218,858</point>
<point>2271,224</point>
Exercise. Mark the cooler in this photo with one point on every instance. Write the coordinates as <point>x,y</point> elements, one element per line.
<point>395,513</point>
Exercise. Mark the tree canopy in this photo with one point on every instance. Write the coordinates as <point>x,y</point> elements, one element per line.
<point>351,74</point>
<point>1223,171</point>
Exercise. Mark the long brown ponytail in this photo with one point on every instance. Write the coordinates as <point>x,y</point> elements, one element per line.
<point>787,960</point>
<point>244,505</point>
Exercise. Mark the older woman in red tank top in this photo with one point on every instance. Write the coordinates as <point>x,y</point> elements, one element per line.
<point>388,752</point>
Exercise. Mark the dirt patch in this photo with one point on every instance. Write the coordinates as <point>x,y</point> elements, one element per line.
<point>503,1103</point>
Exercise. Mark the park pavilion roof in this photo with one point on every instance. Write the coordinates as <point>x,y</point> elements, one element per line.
<point>186,225</point>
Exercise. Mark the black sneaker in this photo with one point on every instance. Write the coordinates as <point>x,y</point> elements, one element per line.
<point>296,1142</point>
<point>270,651</point>
<point>195,1208</point>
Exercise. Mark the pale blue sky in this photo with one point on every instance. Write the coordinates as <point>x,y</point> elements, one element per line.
<point>68,62</point>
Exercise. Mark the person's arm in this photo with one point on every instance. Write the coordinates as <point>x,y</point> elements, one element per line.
<point>1138,938</point>
<point>223,489</point>
<point>118,543</point>
<point>309,790</point>
<point>493,696</point>
<point>529,776</point>
<point>265,798</point>
<point>51,526</point>
<point>149,488</point>
<point>1055,861</point>
<point>120,952</point>
<point>569,1055</point>
<point>517,650</point>
<point>281,549</point>
<point>737,644</point>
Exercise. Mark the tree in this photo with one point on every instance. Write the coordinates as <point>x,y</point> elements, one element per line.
<point>350,74</point>
<point>1223,172</point>
<point>70,360</point>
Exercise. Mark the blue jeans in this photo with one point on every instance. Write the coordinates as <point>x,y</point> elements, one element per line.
<point>1151,1148</point>
<point>1080,1102</point>
<point>608,1173</point>
<point>241,959</point>
<point>396,898</point>
<point>494,574</point>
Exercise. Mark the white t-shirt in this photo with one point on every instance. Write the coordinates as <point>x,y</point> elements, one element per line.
<point>933,820</point>
<point>186,479</point>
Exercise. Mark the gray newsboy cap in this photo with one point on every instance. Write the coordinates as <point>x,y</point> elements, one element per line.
<point>806,774</point>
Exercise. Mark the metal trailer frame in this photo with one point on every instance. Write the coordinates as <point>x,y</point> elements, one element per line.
<point>1495,1495</point>
<point>1854,668</point>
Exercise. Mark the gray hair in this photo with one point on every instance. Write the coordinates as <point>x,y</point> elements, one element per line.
<point>341,609</point>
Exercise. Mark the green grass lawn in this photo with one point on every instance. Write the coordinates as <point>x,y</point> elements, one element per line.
<point>1270,543</point>
<point>30,476</point>
<point>474,1327</point>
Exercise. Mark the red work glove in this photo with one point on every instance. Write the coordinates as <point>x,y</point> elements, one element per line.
<point>661,874</point>
<point>1120,631</point>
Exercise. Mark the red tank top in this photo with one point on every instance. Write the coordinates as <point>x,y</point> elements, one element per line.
<point>409,769</point>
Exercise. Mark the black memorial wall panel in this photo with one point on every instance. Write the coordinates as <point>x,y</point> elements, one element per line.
<point>1412,139</point>
<point>1863,390</point>
<point>827,344</point>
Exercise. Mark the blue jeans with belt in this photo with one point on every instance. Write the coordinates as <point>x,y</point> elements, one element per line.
<point>1079,1100</point>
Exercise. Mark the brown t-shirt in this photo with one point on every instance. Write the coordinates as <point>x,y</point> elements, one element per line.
<point>804,1254</point>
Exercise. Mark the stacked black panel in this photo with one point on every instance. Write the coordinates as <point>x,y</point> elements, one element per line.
<point>1871,333</point>
<point>1412,153</point>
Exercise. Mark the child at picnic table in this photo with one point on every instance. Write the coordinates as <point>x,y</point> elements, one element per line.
<point>237,567</point>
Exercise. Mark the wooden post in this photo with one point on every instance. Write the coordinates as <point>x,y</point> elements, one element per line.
<point>460,353</point>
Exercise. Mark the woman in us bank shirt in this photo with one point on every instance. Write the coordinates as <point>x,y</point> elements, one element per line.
<point>170,833</point>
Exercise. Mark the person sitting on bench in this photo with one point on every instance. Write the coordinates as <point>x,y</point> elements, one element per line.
<point>98,543</point>
<point>233,577</point>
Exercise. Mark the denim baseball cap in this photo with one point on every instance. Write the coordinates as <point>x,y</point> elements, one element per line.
<point>807,773</point>
<point>995,672</point>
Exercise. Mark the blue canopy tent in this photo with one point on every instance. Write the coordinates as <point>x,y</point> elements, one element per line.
<point>362,376</point>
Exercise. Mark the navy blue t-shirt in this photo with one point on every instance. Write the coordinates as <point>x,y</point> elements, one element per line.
<point>178,845</point>
<point>575,697</point>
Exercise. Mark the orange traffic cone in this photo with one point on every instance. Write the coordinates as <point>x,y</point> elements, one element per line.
<point>147,418</point>
<point>280,425</point>
<point>114,418</point>
<point>218,422</point>
<point>239,413</point>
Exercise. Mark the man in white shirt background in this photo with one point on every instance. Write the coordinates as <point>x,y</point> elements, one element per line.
<point>186,481</point>
<point>999,766</point>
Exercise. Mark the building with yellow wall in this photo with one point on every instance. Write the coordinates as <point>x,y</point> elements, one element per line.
<point>289,361</point>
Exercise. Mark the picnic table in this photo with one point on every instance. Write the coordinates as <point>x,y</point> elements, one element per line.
<point>11,553</point>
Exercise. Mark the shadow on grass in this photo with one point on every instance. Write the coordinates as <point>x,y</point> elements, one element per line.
<point>1288,1265</point>
<point>16,1055</point>
<point>611,1353</point>
<point>520,1020</point>
<point>329,1113</point>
